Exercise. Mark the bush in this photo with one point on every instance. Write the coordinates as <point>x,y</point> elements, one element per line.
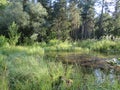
<point>29,21</point>
<point>103,45</point>
<point>3,41</point>
<point>54,42</point>
<point>85,43</point>
<point>13,34</point>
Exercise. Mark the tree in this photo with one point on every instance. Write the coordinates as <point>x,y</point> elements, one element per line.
<point>107,25</point>
<point>60,26</point>
<point>29,21</point>
<point>104,20</point>
<point>13,13</point>
<point>44,3</point>
<point>3,3</point>
<point>116,18</point>
<point>74,19</point>
<point>87,13</point>
<point>100,21</point>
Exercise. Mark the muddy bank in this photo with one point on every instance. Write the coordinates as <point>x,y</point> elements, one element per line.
<point>86,60</point>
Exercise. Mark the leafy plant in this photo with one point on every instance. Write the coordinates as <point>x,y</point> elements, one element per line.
<point>13,34</point>
<point>3,41</point>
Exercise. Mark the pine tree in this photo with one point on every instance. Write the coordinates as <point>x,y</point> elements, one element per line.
<point>60,26</point>
<point>116,18</point>
<point>75,19</point>
<point>87,27</point>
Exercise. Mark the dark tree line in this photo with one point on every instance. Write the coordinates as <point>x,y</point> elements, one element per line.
<point>60,19</point>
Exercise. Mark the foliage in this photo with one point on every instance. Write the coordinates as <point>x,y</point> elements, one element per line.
<point>19,70</point>
<point>28,71</point>
<point>13,34</point>
<point>60,46</point>
<point>16,14</point>
<point>107,26</point>
<point>85,43</point>
<point>28,41</point>
<point>116,18</point>
<point>74,19</point>
<point>36,16</point>
<point>3,3</point>
<point>87,14</point>
<point>105,45</point>
<point>13,13</point>
<point>61,19</point>
<point>116,31</point>
<point>53,24</point>
<point>28,21</point>
<point>60,24</point>
<point>20,50</point>
<point>3,41</point>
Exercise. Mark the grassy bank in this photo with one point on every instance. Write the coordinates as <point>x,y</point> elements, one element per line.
<point>60,46</point>
<point>24,68</point>
<point>83,46</point>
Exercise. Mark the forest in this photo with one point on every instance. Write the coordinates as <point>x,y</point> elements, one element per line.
<point>60,19</point>
<point>59,44</point>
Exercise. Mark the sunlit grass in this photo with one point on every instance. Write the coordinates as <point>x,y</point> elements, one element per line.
<point>20,70</point>
<point>36,50</point>
<point>25,68</point>
<point>102,46</point>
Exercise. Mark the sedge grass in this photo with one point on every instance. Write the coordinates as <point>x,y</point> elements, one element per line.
<point>24,68</point>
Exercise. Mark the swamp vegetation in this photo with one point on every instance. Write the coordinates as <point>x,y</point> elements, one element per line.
<point>59,45</point>
<point>65,68</point>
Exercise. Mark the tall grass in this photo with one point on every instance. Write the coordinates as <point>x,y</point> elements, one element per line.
<point>62,46</point>
<point>102,46</point>
<point>83,46</point>
<point>24,68</point>
<point>29,50</point>
<point>3,74</point>
<point>26,73</point>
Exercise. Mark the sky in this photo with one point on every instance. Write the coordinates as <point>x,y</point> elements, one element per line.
<point>111,8</point>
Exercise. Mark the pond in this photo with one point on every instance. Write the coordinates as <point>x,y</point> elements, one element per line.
<point>101,68</point>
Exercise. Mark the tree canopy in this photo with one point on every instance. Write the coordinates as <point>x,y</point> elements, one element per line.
<point>60,19</point>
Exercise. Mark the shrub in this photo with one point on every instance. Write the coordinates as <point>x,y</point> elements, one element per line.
<point>13,34</point>
<point>54,42</point>
<point>3,41</point>
<point>103,45</point>
<point>28,41</point>
<point>85,43</point>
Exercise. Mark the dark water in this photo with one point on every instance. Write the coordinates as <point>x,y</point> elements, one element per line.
<point>95,63</point>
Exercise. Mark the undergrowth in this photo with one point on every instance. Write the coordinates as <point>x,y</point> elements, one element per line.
<point>25,68</point>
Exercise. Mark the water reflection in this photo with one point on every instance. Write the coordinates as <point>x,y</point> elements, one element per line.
<point>102,77</point>
<point>112,76</point>
<point>99,75</point>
